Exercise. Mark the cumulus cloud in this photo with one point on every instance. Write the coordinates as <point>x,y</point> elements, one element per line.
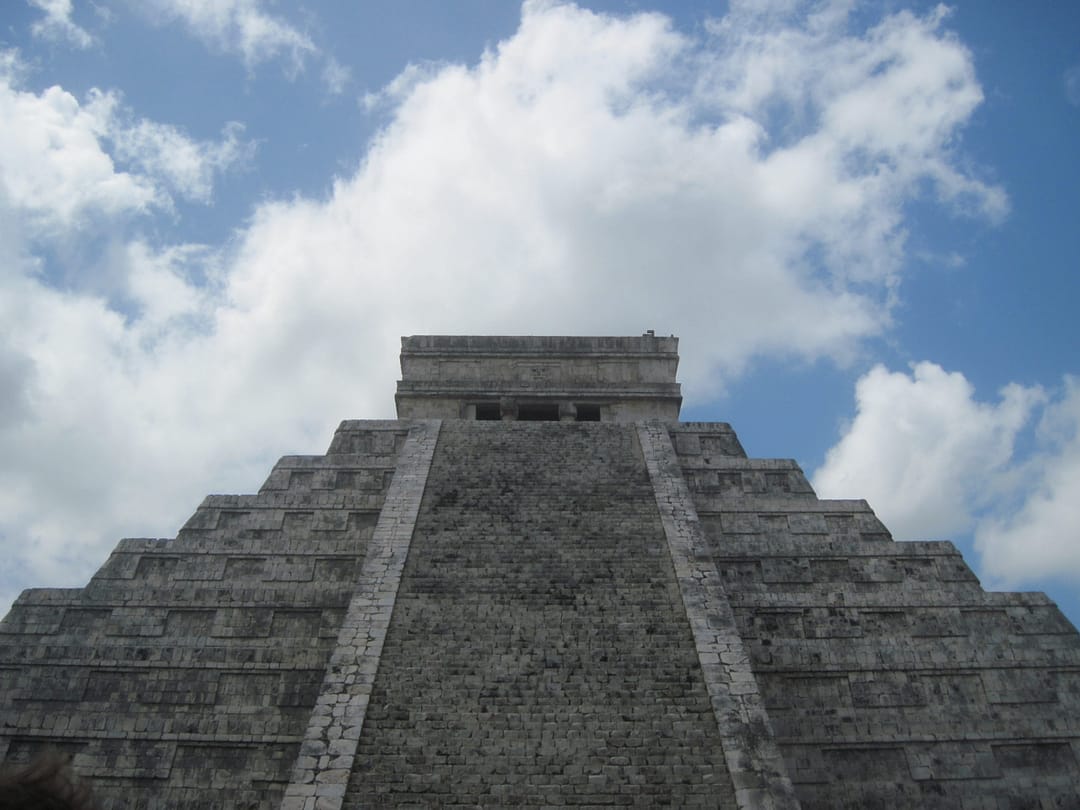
<point>934,461</point>
<point>878,111</point>
<point>923,450</point>
<point>166,289</point>
<point>1041,536</point>
<point>590,174</point>
<point>57,24</point>
<point>52,164</point>
<point>59,157</point>
<point>242,27</point>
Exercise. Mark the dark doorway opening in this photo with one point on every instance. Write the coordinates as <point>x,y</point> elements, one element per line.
<point>588,413</point>
<point>538,413</point>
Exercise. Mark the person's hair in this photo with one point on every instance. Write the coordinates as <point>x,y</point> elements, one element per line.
<point>46,783</point>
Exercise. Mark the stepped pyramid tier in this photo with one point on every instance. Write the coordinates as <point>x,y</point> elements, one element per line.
<point>538,588</point>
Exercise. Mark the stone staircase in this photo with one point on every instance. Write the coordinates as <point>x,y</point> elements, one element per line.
<point>539,653</point>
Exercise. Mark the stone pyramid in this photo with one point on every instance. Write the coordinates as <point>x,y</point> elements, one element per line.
<point>538,588</point>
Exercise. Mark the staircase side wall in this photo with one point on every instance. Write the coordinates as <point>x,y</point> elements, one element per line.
<point>892,679</point>
<point>185,672</point>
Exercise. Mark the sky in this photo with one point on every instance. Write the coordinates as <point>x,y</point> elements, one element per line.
<point>217,218</point>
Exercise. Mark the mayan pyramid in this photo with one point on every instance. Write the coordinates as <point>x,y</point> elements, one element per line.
<point>538,588</point>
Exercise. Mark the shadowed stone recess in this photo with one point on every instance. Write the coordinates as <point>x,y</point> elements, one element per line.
<point>539,653</point>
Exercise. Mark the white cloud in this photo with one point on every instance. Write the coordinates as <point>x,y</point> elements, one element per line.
<point>52,164</point>
<point>1041,537</point>
<point>95,414</point>
<point>923,451</point>
<point>166,297</point>
<point>879,112</point>
<point>935,462</point>
<point>242,27</point>
<point>57,24</point>
<point>589,175</point>
<point>58,158</point>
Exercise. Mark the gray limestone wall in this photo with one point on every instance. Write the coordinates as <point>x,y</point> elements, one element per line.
<point>632,378</point>
<point>328,751</point>
<point>184,674</point>
<point>543,614</point>
<point>539,652</point>
<point>757,769</point>
<point>891,678</point>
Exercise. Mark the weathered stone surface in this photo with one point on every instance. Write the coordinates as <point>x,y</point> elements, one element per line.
<point>185,672</point>
<point>327,752</point>
<point>539,653</point>
<point>890,677</point>
<point>562,613</point>
<point>616,379</point>
<point>757,769</point>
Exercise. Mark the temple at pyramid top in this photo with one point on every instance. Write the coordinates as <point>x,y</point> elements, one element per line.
<point>625,611</point>
<point>531,378</point>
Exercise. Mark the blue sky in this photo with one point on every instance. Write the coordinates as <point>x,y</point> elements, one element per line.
<point>218,216</point>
